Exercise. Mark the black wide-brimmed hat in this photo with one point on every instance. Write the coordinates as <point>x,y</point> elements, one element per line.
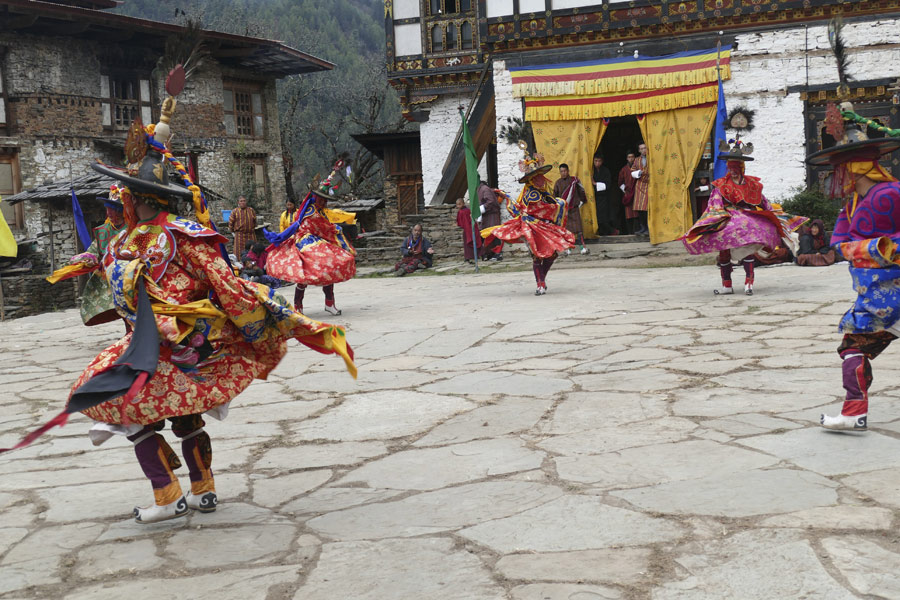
<point>539,171</point>
<point>321,193</point>
<point>147,170</point>
<point>853,144</point>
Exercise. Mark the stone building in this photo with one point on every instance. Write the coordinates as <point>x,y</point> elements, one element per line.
<point>595,76</point>
<point>73,76</point>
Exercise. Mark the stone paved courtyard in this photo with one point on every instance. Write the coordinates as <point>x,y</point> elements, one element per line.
<point>629,435</point>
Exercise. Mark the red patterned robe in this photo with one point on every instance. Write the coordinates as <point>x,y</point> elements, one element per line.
<point>194,292</point>
<point>316,253</point>
<point>538,219</point>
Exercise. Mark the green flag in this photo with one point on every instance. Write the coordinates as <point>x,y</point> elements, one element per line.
<point>471,168</point>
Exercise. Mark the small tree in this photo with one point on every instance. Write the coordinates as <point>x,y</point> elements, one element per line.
<point>369,105</point>
<point>812,203</point>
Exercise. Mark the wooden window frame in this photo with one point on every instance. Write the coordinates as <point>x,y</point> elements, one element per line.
<point>252,128</point>
<point>5,117</point>
<point>121,104</point>
<point>18,224</point>
<point>438,27</point>
<point>254,177</point>
<point>444,13</point>
<point>462,41</point>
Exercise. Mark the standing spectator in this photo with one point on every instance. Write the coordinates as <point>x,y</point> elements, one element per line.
<point>464,221</point>
<point>602,181</point>
<point>490,217</point>
<point>417,253</point>
<point>242,224</point>
<point>288,216</point>
<point>701,193</point>
<point>641,173</point>
<point>570,189</point>
<point>626,184</point>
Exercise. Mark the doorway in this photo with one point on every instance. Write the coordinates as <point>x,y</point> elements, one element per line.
<point>623,135</point>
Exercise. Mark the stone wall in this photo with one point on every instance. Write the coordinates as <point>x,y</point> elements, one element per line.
<point>25,295</point>
<point>55,98</point>
<point>763,66</point>
<point>64,240</point>
<point>439,227</point>
<point>55,104</point>
<point>39,64</point>
<point>390,216</point>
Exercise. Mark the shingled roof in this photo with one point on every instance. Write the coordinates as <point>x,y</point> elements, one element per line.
<point>86,187</point>
<point>258,55</point>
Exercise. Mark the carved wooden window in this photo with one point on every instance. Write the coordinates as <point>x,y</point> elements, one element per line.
<point>11,183</point>
<point>437,39</point>
<point>243,107</point>
<point>4,124</point>
<point>465,31</point>
<point>126,96</point>
<point>449,7</point>
<point>254,184</point>
<point>452,42</point>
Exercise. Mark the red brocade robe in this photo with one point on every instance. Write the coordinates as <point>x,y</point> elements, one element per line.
<point>194,292</point>
<point>538,219</point>
<point>317,253</point>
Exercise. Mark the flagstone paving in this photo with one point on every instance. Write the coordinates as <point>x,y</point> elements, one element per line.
<point>628,435</point>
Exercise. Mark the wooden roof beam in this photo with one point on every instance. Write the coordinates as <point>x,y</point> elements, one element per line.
<point>20,22</point>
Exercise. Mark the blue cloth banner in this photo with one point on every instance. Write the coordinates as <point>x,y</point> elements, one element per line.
<point>719,168</point>
<point>84,234</point>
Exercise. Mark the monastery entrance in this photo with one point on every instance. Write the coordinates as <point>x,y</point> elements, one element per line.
<point>623,135</point>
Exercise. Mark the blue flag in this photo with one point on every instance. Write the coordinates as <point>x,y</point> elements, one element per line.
<point>719,169</point>
<point>81,227</point>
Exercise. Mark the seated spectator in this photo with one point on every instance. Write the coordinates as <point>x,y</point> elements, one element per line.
<point>464,222</point>
<point>251,272</point>
<point>258,254</point>
<point>417,253</point>
<point>814,249</point>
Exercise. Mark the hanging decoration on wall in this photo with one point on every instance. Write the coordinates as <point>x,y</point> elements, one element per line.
<point>740,120</point>
<point>516,130</point>
<point>836,41</point>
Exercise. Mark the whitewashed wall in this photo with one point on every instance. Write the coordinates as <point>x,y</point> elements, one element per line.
<point>436,138</point>
<point>508,155</point>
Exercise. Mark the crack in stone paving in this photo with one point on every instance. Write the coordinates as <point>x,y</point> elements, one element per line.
<point>628,435</point>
